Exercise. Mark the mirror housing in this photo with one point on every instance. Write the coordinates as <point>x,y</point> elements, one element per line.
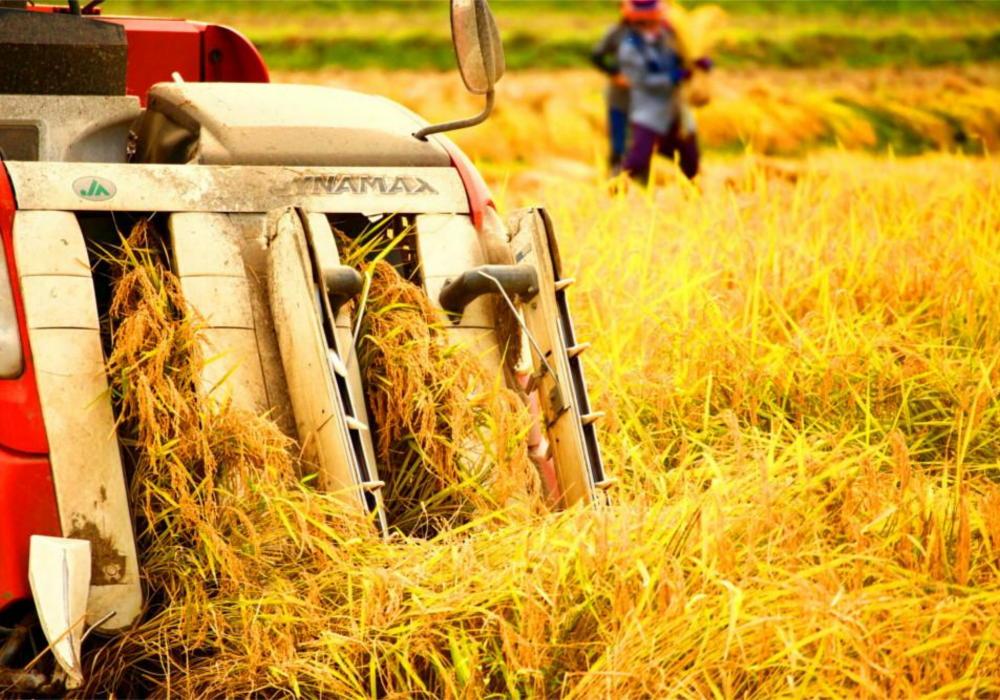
<point>479,53</point>
<point>478,49</point>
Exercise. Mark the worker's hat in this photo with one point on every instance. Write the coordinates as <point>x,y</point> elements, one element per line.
<point>640,10</point>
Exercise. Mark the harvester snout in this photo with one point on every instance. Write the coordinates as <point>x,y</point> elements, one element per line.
<point>252,190</point>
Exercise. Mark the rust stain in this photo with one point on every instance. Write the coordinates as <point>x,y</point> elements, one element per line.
<point>107,563</point>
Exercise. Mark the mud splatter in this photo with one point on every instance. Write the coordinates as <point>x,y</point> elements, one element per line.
<point>107,562</point>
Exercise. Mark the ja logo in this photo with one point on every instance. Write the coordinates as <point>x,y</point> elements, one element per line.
<point>94,189</point>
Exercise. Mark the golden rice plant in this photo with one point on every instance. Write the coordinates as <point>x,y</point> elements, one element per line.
<point>799,365</point>
<point>543,117</point>
<point>450,437</point>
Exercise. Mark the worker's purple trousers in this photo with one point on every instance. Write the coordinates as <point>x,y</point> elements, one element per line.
<point>645,142</point>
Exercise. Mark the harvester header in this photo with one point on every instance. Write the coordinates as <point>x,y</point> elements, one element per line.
<point>254,190</point>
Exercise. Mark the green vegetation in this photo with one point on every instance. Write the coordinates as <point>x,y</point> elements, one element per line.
<point>793,8</point>
<point>527,51</point>
<point>548,34</point>
<point>858,49</point>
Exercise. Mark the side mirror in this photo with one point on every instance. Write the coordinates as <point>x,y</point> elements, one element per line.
<point>479,53</point>
<point>478,48</point>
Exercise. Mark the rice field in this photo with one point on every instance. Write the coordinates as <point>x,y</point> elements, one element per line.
<point>560,114</point>
<point>550,34</point>
<point>799,364</point>
<point>798,357</point>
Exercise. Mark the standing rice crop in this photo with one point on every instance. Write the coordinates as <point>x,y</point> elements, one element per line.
<point>799,369</point>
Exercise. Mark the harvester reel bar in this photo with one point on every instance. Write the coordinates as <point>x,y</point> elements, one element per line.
<point>512,280</point>
<point>483,271</point>
<point>342,283</point>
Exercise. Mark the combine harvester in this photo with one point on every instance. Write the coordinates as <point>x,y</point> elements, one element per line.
<point>108,120</point>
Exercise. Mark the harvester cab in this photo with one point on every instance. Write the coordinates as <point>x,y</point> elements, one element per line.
<point>253,187</point>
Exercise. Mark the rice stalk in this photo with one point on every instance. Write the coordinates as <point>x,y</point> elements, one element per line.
<point>801,381</point>
<point>451,437</point>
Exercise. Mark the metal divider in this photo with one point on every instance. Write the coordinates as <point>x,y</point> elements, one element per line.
<point>208,261</point>
<point>327,273</point>
<point>64,331</point>
<point>588,417</point>
<point>302,262</point>
<point>558,376</point>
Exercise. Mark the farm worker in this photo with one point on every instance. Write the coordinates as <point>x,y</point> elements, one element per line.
<point>605,58</point>
<point>650,60</point>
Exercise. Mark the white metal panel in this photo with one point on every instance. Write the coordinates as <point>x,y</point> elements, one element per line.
<point>275,124</point>
<point>205,245</point>
<point>558,389</point>
<point>303,351</point>
<point>57,301</point>
<point>232,368</point>
<point>61,600</point>
<point>447,245</point>
<point>324,245</point>
<point>319,415</point>
<point>91,128</point>
<point>218,188</point>
<point>53,246</point>
<point>252,229</point>
<point>208,259</point>
<point>76,406</point>
<point>222,302</point>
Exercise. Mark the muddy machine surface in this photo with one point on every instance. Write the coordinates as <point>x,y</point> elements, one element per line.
<point>104,121</point>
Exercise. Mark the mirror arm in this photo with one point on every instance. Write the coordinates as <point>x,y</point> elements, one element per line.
<point>459,124</point>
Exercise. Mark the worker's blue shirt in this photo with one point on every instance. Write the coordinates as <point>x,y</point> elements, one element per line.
<point>652,68</point>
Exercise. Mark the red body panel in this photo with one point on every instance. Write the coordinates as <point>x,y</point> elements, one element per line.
<point>158,48</point>
<point>229,57</point>
<point>21,426</point>
<point>27,507</point>
<point>476,189</point>
<point>27,497</point>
